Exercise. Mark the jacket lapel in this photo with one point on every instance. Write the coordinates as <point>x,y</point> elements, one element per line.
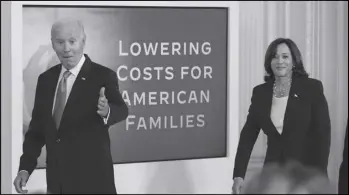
<point>267,99</point>
<point>77,91</point>
<point>293,97</point>
<point>52,85</point>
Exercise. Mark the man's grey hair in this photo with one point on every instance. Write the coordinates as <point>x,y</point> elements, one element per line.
<point>68,21</point>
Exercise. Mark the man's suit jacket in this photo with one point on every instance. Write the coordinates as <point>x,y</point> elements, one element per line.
<point>78,153</point>
<point>306,132</point>
<point>343,171</point>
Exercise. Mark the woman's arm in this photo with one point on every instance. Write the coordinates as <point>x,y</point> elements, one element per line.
<point>248,137</point>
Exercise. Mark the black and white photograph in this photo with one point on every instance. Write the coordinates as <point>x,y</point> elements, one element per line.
<point>174,97</point>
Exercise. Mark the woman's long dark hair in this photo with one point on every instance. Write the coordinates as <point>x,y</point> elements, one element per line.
<point>298,68</point>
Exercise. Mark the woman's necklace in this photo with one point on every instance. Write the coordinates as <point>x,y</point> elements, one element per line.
<point>282,90</point>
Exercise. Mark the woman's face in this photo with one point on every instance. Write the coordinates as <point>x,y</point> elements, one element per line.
<point>281,63</point>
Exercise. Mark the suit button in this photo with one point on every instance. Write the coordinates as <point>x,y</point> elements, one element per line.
<point>58,140</point>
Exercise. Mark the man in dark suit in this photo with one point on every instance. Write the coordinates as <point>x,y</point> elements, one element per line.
<point>75,103</point>
<point>343,171</point>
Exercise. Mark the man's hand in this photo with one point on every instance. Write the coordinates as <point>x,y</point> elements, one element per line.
<point>21,181</point>
<point>237,186</point>
<point>103,106</point>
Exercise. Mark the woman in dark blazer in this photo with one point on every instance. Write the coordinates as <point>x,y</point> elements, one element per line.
<point>292,111</point>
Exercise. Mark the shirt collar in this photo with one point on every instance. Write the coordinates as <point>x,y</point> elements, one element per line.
<point>75,71</point>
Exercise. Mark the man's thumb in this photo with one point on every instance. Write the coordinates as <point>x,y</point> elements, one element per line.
<point>101,92</point>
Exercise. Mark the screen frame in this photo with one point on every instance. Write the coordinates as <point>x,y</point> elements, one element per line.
<point>17,75</point>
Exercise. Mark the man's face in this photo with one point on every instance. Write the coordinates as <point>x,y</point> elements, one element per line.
<point>68,41</point>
